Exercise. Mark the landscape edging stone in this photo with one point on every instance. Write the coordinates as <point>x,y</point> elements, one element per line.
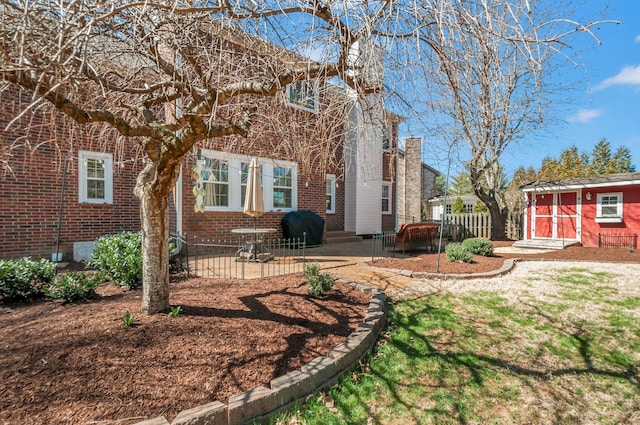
<point>295,386</point>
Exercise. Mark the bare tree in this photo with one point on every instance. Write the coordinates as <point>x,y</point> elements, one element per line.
<point>170,75</point>
<point>487,74</point>
<point>167,75</point>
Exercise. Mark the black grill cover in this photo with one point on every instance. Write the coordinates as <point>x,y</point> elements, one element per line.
<point>295,223</point>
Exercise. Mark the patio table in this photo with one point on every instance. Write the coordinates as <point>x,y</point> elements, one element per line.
<point>253,250</point>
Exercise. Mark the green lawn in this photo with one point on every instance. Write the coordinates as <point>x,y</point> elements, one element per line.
<point>568,356</point>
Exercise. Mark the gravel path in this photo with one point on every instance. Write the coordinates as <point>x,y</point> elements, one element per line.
<point>526,276</point>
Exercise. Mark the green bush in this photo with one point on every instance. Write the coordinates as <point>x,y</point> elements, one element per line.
<point>119,258</point>
<point>479,246</point>
<point>458,206</point>
<point>480,207</point>
<point>73,286</point>
<point>25,278</point>
<point>318,283</point>
<point>456,252</point>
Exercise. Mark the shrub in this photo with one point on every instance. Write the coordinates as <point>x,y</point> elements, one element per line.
<point>119,258</point>
<point>480,207</point>
<point>73,286</point>
<point>458,206</point>
<point>479,246</point>
<point>318,283</point>
<point>25,278</point>
<point>456,252</point>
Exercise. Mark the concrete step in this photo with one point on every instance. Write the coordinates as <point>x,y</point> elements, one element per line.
<point>545,243</point>
<point>336,236</point>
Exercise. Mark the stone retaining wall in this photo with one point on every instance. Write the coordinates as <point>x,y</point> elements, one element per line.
<point>295,386</point>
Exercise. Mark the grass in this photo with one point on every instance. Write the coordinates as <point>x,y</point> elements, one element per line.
<point>567,357</point>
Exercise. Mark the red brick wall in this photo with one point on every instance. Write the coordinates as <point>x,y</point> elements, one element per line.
<point>32,187</point>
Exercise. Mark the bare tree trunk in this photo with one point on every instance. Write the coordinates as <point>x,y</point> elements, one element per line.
<point>153,186</point>
<point>498,222</point>
<point>154,215</point>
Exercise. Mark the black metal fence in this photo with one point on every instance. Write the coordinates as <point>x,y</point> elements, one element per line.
<point>239,258</point>
<point>608,240</point>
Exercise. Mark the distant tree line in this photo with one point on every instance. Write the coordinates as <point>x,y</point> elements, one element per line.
<point>571,163</point>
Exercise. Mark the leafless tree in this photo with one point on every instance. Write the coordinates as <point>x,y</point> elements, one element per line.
<point>170,75</point>
<point>489,79</point>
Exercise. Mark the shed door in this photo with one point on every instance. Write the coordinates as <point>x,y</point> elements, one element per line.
<point>567,215</point>
<point>543,221</point>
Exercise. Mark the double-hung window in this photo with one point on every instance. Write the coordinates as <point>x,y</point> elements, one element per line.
<point>303,95</point>
<point>609,207</point>
<point>282,187</point>
<point>330,189</point>
<point>95,177</point>
<point>386,198</point>
<point>216,183</point>
<point>224,176</point>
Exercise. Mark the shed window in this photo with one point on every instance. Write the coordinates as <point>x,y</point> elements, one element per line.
<point>609,208</point>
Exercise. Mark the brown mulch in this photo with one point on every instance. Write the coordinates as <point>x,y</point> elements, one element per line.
<point>480,264</point>
<point>79,363</point>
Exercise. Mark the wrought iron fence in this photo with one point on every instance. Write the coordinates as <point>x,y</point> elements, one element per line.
<point>241,258</point>
<point>608,240</point>
<point>383,245</point>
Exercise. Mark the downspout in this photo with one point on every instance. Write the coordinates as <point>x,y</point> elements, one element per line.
<point>60,210</point>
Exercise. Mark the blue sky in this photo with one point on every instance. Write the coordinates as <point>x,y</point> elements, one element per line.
<point>606,102</point>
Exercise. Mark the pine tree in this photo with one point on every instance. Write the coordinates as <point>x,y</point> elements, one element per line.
<point>622,161</point>
<point>601,162</point>
<point>458,206</point>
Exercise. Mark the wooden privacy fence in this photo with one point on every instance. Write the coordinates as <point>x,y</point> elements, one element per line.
<point>479,225</point>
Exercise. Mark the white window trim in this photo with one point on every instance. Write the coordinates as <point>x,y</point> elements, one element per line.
<point>332,182</point>
<point>390,210</point>
<point>609,219</point>
<point>107,160</point>
<point>297,105</point>
<point>235,181</point>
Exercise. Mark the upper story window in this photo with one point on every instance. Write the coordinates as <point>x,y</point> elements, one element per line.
<point>386,198</point>
<point>330,190</point>
<point>609,207</point>
<point>303,95</point>
<point>95,177</point>
<point>386,141</point>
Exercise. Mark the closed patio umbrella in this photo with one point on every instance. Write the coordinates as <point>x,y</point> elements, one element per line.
<point>253,201</point>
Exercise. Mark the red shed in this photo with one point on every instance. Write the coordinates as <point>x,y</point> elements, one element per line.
<point>598,211</point>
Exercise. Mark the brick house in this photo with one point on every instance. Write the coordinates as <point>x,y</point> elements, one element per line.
<point>416,183</point>
<point>61,173</point>
<point>60,184</point>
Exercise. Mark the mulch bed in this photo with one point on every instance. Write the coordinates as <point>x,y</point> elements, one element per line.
<point>430,263</point>
<point>79,363</point>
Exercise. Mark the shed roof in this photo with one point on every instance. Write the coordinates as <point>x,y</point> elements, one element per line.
<point>622,179</point>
